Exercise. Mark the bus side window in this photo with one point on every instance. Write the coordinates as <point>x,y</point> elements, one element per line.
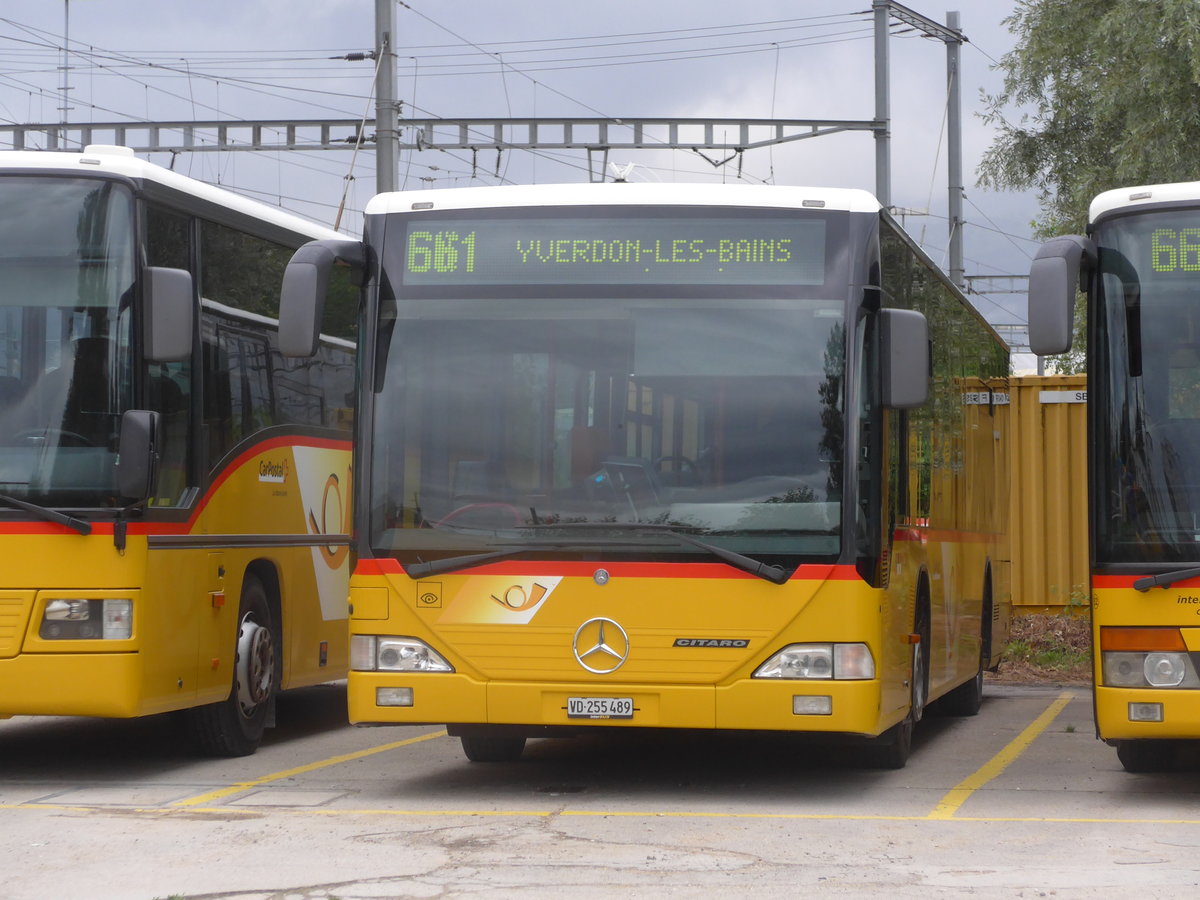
<point>218,415</point>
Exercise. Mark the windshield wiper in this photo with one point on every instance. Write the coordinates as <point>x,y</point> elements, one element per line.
<point>50,515</point>
<point>450,563</point>
<point>1166,579</point>
<point>773,574</point>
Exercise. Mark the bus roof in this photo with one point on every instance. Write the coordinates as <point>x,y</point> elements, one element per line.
<point>121,161</point>
<point>1126,198</point>
<point>626,194</point>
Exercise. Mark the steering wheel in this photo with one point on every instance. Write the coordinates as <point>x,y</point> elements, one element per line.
<point>513,511</point>
<point>684,473</point>
<point>65,438</point>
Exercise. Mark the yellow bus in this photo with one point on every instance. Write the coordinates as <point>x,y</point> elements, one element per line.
<point>1140,269</point>
<point>665,456</point>
<point>173,492</point>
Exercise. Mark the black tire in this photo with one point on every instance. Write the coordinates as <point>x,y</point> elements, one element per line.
<point>967,698</point>
<point>892,748</point>
<point>235,726</point>
<point>492,748</point>
<point>964,700</point>
<point>1140,757</point>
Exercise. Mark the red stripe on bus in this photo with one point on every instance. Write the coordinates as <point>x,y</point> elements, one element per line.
<point>146,528</point>
<point>808,572</point>
<point>1126,581</point>
<point>264,447</point>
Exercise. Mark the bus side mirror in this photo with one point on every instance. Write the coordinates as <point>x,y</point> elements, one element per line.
<point>904,358</point>
<point>137,454</point>
<point>1062,265</point>
<point>168,303</point>
<point>302,296</point>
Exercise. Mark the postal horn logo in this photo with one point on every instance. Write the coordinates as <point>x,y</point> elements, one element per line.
<point>600,646</point>
<point>335,519</point>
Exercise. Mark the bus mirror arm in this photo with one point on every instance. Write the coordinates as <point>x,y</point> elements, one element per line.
<point>305,284</point>
<point>904,358</point>
<point>1062,266</point>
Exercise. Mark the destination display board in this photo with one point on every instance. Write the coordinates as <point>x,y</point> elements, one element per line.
<point>614,250</point>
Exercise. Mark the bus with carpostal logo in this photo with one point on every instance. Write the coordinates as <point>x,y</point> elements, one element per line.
<point>665,457</point>
<point>174,493</point>
<point>1139,268</point>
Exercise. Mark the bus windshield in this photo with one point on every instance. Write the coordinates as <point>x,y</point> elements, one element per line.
<point>66,278</point>
<point>1148,379</point>
<point>564,409</point>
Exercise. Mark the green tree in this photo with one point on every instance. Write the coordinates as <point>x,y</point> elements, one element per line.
<point>1106,94</point>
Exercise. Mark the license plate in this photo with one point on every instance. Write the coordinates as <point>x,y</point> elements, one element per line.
<point>599,707</point>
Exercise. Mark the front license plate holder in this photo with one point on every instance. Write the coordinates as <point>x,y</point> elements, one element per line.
<point>599,707</point>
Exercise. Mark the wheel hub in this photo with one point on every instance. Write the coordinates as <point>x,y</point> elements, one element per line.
<point>255,665</point>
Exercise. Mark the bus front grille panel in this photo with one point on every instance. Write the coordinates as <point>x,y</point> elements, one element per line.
<point>14,616</point>
<point>652,656</point>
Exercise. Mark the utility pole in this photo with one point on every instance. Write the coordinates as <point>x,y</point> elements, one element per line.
<point>954,210</point>
<point>65,85</point>
<point>885,10</point>
<point>385,96</point>
<point>883,114</point>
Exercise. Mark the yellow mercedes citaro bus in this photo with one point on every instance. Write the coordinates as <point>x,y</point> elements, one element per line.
<point>665,456</point>
<point>1139,267</point>
<point>174,493</point>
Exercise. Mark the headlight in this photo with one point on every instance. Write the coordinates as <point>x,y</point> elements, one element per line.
<point>380,653</point>
<point>1157,669</point>
<point>1146,658</point>
<point>79,619</point>
<point>841,662</point>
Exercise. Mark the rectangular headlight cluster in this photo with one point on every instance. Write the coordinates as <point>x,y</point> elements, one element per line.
<point>834,662</point>
<point>383,653</point>
<point>1146,658</point>
<point>80,619</point>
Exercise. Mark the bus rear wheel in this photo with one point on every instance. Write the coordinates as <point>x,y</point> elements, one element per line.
<point>235,726</point>
<point>967,698</point>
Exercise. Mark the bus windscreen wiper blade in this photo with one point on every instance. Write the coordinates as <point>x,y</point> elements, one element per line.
<point>773,574</point>
<point>1166,579</point>
<point>450,563</point>
<point>50,515</point>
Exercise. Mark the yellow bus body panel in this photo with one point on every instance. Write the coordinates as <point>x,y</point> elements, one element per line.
<point>1116,603</point>
<point>185,581</point>
<point>509,635</point>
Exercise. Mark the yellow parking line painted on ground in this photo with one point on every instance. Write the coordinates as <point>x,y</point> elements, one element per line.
<point>226,811</point>
<point>958,794</point>
<point>240,786</point>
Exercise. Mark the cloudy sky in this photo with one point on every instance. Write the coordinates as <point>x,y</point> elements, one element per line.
<point>280,59</point>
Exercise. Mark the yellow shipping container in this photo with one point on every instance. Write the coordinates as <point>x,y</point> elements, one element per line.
<point>1048,513</point>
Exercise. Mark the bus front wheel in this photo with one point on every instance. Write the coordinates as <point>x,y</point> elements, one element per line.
<point>891,749</point>
<point>492,748</point>
<point>235,726</point>
<point>1146,756</point>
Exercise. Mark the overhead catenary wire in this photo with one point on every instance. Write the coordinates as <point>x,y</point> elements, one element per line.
<point>288,77</point>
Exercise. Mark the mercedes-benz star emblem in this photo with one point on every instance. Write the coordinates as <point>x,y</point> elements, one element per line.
<point>601,646</point>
